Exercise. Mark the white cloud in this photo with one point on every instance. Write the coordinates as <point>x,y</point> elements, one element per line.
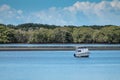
<point>20,12</point>
<point>95,8</point>
<point>9,15</point>
<point>80,13</point>
<point>53,15</point>
<point>115,4</point>
<point>4,7</point>
<point>105,12</point>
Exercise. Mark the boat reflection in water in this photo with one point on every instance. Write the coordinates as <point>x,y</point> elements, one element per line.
<point>81,52</point>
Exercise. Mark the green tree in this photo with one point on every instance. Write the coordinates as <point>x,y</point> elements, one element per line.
<point>39,36</point>
<point>21,36</point>
<point>62,36</point>
<point>82,35</point>
<point>6,35</point>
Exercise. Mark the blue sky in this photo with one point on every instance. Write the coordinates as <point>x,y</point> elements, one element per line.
<point>60,12</point>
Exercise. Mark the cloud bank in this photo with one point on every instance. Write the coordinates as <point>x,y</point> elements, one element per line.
<point>10,15</point>
<point>80,13</point>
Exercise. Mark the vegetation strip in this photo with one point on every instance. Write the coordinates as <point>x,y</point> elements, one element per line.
<point>40,33</point>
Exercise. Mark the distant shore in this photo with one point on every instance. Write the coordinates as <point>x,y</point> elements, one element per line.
<point>57,48</point>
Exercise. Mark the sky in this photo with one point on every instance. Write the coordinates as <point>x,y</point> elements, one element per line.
<point>60,12</point>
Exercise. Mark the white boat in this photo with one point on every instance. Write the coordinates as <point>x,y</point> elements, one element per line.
<point>81,52</point>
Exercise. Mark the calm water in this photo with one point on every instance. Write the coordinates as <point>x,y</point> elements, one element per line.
<point>59,65</point>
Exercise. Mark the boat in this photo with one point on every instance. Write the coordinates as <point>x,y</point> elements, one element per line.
<point>81,52</point>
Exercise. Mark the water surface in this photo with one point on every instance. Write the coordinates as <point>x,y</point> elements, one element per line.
<point>59,65</point>
<point>37,45</point>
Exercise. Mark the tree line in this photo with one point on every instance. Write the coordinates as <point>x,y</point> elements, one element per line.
<point>43,33</point>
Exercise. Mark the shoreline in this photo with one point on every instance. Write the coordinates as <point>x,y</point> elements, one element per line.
<point>57,48</point>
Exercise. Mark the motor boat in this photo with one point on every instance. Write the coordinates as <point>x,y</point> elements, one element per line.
<point>81,52</point>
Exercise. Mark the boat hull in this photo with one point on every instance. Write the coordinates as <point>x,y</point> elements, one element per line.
<point>81,55</point>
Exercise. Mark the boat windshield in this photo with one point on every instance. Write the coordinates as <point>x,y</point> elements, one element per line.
<point>79,50</point>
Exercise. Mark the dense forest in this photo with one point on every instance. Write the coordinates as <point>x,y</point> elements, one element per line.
<point>43,33</point>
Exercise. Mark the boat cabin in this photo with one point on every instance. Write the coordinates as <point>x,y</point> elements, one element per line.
<point>81,52</point>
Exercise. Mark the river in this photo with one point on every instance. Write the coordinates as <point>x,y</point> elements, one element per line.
<point>59,65</point>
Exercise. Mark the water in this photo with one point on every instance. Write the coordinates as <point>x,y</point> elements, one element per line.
<point>36,45</point>
<point>59,65</point>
